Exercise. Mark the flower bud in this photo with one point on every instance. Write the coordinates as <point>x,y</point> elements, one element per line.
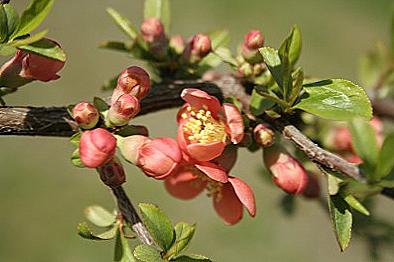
<point>133,81</point>
<point>258,69</point>
<point>159,157</point>
<point>312,189</point>
<point>152,30</point>
<point>112,173</point>
<point>85,114</point>
<point>177,44</point>
<point>287,172</point>
<point>245,70</point>
<point>252,56</point>
<point>254,40</point>
<point>123,110</point>
<point>96,147</point>
<point>129,147</point>
<point>264,135</point>
<point>197,48</point>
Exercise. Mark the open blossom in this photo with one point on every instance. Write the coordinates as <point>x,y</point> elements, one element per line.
<point>134,81</point>
<point>287,172</point>
<point>96,147</point>
<point>123,110</point>
<point>205,126</point>
<point>85,114</point>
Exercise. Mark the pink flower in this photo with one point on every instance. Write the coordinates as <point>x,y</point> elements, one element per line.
<point>123,110</point>
<point>159,157</point>
<point>205,126</point>
<point>130,145</point>
<point>197,48</point>
<point>96,147</point>
<point>152,29</point>
<point>288,173</point>
<point>134,81</point>
<point>112,173</point>
<point>85,114</point>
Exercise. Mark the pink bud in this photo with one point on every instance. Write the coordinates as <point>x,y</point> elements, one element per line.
<point>133,81</point>
<point>123,110</point>
<point>264,135</point>
<point>129,147</point>
<point>159,157</point>
<point>254,40</point>
<point>288,173</point>
<point>245,70</point>
<point>312,189</point>
<point>112,173</point>
<point>85,114</point>
<point>197,48</point>
<point>177,44</point>
<point>96,147</point>
<point>152,29</point>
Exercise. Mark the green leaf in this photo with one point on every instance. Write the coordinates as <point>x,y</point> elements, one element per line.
<point>28,40</point>
<point>47,48</point>
<point>183,235</point>
<point>364,143</point>
<point>116,46</point>
<point>123,23</point>
<point>356,205</point>
<point>392,31</point>
<point>225,55</point>
<point>122,249</point>
<point>273,62</point>
<point>147,253</point>
<point>219,38</point>
<point>341,218</point>
<point>33,16</point>
<point>298,76</point>
<point>386,158</point>
<point>3,25</point>
<point>100,104</point>
<point>191,258</point>
<point>158,225</point>
<point>99,216</point>
<point>74,139</point>
<point>259,104</point>
<point>159,9</point>
<point>6,50</point>
<point>76,159</point>
<point>292,45</point>
<point>85,232</point>
<point>13,19</point>
<point>335,99</point>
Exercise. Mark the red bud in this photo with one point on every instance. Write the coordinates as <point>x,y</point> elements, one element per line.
<point>264,135</point>
<point>123,110</point>
<point>133,81</point>
<point>85,114</point>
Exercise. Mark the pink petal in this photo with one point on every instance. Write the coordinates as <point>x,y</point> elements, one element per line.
<point>228,158</point>
<point>167,146</point>
<point>213,171</point>
<point>245,194</point>
<point>197,98</point>
<point>183,184</point>
<point>205,152</point>
<point>182,110</point>
<point>227,205</point>
<point>234,122</point>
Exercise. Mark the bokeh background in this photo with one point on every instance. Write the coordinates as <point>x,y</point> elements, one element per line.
<point>42,196</point>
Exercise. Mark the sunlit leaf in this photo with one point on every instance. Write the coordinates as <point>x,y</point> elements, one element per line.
<point>47,48</point>
<point>183,234</point>
<point>147,253</point>
<point>99,216</point>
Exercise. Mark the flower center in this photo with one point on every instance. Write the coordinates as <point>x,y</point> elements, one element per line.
<point>202,127</point>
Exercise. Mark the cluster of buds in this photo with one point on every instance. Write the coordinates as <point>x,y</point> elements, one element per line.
<point>97,146</point>
<point>289,174</point>
<point>340,139</point>
<point>26,67</point>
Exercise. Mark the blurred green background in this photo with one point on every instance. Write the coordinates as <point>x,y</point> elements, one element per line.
<point>42,196</point>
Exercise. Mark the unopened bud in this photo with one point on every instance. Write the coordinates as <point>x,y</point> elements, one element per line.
<point>197,48</point>
<point>254,40</point>
<point>177,44</point>
<point>245,70</point>
<point>112,173</point>
<point>130,145</point>
<point>85,114</point>
<point>96,147</point>
<point>123,110</point>
<point>152,29</point>
<point>264,135</point>
<point>134,81</point>
<point>258,69</point>
<point>287,172</point>
<point>252,56</point>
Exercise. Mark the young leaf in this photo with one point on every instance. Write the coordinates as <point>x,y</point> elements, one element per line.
<point>183,234</point>
<point>292,46</point>
<point>3,25</point>
<point>13,19</point>
<point>392,31</point>
<point>356,205</point>
<point>298,76</point>
<point>124,24</point>
<point>225,55</point>
<point>147,253</point>
<point>386,158</point>
<point>116,46</point>
<point>100,104</point>
<point>76,159</point>
<point>33,16</point>
<point>122,249</point>
<point>47,48</point>
<point>364,143</point>
<point>158,225</point>
<point>74,139</point>
<point>85,232</point>
<point>259,104</point>
<point>341,218</point>
<point>335,99</point>
<point>159,9</point>
<point>191,258</point>
<point>28,40</point>
<point>99,216</point>
<point>6,50</point>
<point>219,38</point>
<point>273,62</point>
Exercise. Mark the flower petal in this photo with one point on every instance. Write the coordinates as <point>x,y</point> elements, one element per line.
<point>183,184</point>
<point>245,194</point>
<point>205,152</point>
<point>213,171</point>
<point>197,98</point>
<point>227,205</point>
<point>234,122</point>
